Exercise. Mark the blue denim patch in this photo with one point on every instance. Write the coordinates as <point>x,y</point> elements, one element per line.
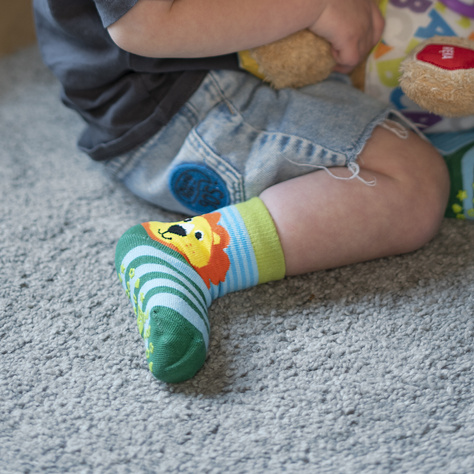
<point>198,187</point>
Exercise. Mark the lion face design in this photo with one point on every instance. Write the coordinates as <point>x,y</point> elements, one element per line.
<point>200,240</point>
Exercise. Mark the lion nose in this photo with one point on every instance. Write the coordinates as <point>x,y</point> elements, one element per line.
<point>177,230</point>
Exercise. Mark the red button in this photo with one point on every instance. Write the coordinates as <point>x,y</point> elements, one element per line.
<point>447,56</point>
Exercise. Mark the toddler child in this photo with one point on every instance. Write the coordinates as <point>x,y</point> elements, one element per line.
<point>274,183</point>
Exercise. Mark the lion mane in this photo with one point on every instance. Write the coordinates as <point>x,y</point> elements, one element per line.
<point>216,269</point>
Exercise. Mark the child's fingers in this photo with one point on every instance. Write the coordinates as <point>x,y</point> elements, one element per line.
<point>355,46</point>
<point>352,32</point>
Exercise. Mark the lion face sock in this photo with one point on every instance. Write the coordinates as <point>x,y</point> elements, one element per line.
<point>172,272</point>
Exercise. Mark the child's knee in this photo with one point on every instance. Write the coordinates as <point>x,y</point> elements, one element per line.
<point>430,185</point>
<point>421,181</point>
<point>426,188</point>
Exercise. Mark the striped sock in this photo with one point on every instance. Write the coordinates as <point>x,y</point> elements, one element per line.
<point>172,272</point>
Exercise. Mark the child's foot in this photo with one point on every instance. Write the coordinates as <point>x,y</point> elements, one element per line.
<point>172,272</point>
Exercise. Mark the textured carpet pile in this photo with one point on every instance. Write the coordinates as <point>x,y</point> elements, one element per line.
<point>367,368</point>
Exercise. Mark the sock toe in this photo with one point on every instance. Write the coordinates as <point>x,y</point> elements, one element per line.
<point>176,350</point>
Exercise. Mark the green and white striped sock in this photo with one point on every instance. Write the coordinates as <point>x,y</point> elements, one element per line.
<point>172,272</point>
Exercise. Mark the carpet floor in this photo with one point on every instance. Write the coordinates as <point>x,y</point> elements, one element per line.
<point>367,368</point>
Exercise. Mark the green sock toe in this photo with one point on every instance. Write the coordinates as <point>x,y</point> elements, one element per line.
<point>175,349</point>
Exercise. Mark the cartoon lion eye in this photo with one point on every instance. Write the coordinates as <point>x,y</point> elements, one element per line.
<point>198,235</point>
<point>188,219</point>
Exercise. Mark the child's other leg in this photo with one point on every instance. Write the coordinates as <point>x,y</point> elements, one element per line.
<point>324,223</point>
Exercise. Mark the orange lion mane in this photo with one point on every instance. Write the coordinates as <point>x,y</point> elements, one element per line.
<point>216,269</point>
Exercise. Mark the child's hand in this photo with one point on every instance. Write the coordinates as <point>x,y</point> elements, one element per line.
<point>353,27</point>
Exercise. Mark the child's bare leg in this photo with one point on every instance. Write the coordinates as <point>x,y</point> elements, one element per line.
<point>324,223</point>
<point>172,272</point>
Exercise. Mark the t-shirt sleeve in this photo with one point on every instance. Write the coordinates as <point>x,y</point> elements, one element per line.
<point>112,10</point>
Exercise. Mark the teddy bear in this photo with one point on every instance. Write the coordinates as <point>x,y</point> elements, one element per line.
<point>423,66</point>
<point>438,73</point>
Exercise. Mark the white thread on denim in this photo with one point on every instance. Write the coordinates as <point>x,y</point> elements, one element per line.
<point>401,121</point>
<point>397,128</point>
<point>353,167</point>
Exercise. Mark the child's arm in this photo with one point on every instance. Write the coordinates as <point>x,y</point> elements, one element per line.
<point>198,28</point>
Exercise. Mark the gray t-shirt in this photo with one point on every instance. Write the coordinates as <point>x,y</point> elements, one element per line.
<point>123,98</point>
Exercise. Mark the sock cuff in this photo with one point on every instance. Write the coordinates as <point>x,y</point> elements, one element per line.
<point>265,240</point>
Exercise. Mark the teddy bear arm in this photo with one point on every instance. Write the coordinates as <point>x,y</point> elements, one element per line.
<point>295,61</point>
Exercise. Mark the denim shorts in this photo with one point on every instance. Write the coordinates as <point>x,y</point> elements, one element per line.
<point>237,136</point>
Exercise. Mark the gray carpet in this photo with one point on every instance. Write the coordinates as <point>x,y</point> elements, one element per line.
<point>367,368</point>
